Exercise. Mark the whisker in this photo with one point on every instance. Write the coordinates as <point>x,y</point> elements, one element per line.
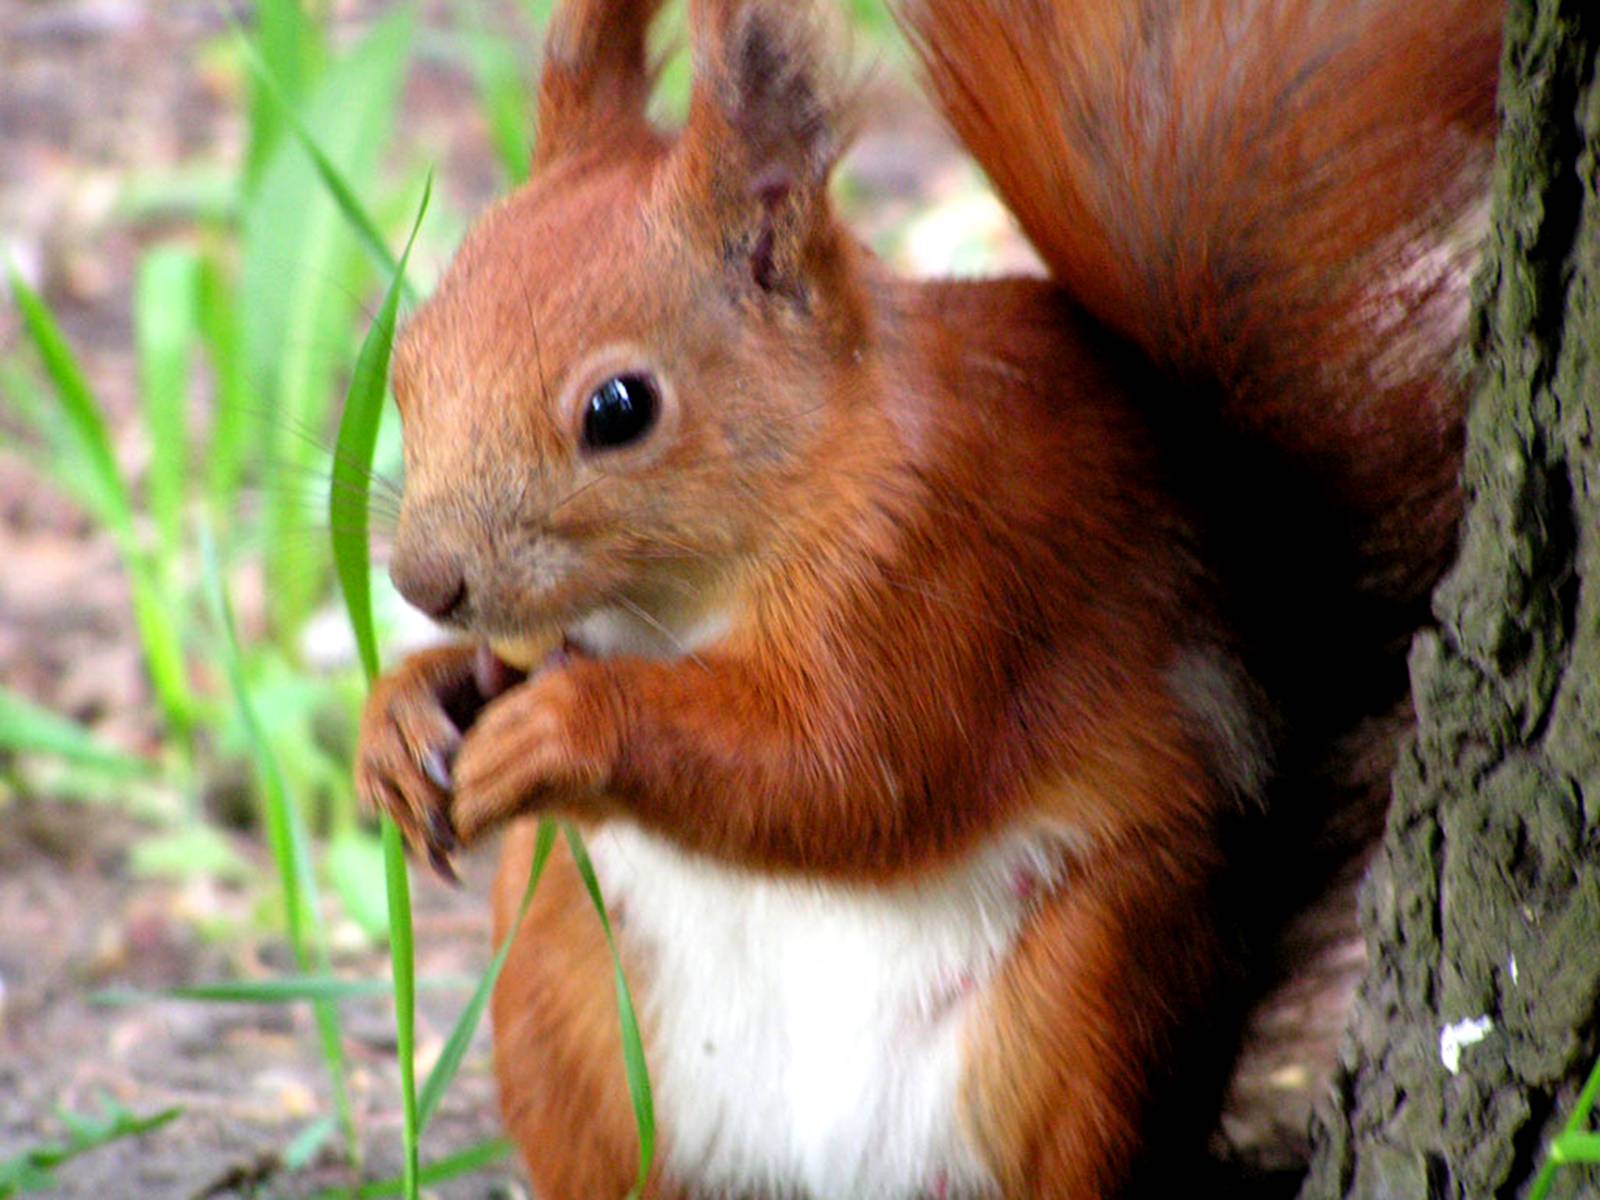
<point>317,440</point>
<point>649,620</point>
<point>312,474</point>
<point>538,350</point>
<point>573,495</point>
<point>315,503</point>
<point>914,587</point>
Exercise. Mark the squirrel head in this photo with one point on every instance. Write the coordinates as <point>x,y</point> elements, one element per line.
<point>638,359</point>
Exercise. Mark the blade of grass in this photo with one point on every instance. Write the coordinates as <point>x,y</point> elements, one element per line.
<point>539,12</point>
<point>28,728</point>
<point>293,45</point>
<point>154,616</point>
<point>31,1170</point>
<point>403,968</point>
<point>308,1143</point>
<point>361,222</point>
<point>352,459</point>
<point>219,327</point>
<point>77,401</point>
<point>190,193</point>
<point>165,323</point>
<point>1577,1127</point>
<point>644,1115</point>
<point>61,456</point>
<point>287,838</point>
<point>455,1048</point>
<point>283,989</point>
<point>503,97</point>
<point>1576,1148</point>
<point>352,861</point>
<point>303,272</point>
<point>454,1166</point>
<point>347,517</point>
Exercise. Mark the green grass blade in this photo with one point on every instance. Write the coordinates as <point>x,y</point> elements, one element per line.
<point>632,1043</point>
<point>30,1170</point>
<point>347,517</point>
<point>156,618</point>
<point>189,193</point>
<point>455,1049</point>
<point>287,837</point>
<point>403,966</point>
<point>154,615</point>
<point>28,728</point>
<point>454,1166</point>
<point>1575,1137</point>
<point>361,222</point>
<point>539,12</point>
<point>282,989</point>
<point>165,322</point>
<point>78,402</point>
<point>1576,1148</point>
<point>293,47</point>
<point>503,95</point>
<point>219,328</point>
<point>352,861</point>
<point>192,851</point>
<point>308,1143</point>
<point>352,459</point>
<point>304,271</point>
<point>61,456</point>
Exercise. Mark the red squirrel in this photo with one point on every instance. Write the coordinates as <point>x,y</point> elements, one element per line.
<point>943,672</point>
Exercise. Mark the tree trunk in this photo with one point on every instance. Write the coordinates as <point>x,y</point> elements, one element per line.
<point>1477,1020</point>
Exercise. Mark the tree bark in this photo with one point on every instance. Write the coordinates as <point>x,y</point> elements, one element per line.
<point>1479,1015</point>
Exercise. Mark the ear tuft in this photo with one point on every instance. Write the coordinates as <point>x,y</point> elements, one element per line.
<point>596,78</point>
<point>768,122</point>
<point>770,70</point>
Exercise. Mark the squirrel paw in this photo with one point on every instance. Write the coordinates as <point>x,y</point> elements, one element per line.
<point>410,733</point>
<point>547,743</point>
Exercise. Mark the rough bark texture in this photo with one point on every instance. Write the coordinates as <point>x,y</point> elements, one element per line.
<point>1484,903</point>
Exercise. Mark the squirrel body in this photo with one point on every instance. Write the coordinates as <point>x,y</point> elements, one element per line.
<point>929,674</point>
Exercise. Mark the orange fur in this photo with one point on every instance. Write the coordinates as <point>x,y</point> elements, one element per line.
<point>942,561</point>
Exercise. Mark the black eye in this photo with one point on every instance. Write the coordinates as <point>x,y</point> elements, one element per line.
<point>621,411</point>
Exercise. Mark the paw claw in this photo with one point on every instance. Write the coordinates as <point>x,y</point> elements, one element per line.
<point>442,866</point>
<point>441,834</point>
<point>437,768</point>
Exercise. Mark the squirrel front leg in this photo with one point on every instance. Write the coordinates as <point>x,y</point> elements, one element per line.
<point>741,754</point>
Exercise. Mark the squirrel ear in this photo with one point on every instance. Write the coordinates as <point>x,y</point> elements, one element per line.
<point>766,125</point>
<point>597,76</point>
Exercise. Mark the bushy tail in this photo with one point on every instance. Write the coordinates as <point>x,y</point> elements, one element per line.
<point>1278,196</point>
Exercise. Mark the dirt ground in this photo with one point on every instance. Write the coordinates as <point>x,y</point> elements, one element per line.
<point>94,96</point>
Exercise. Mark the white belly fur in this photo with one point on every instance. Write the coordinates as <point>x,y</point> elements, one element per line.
<point>808,1037</point>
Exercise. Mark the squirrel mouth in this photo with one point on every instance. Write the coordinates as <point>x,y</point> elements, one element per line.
<point>494,674</point>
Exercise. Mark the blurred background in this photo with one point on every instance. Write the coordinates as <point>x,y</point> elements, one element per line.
<point>185,294</point>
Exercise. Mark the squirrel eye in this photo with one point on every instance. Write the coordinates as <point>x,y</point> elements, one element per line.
<point>620,411</point>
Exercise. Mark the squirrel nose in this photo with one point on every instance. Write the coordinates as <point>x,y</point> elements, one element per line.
<point>431,579</point>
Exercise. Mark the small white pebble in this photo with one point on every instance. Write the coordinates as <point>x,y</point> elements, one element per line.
<point>1516,976</point>
<point>1454,1038</point>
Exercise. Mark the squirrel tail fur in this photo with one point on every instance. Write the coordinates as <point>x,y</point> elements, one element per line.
<point>1273,197</point>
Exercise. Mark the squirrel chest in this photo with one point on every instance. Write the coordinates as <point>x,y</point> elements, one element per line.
<point>808,1037</point>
